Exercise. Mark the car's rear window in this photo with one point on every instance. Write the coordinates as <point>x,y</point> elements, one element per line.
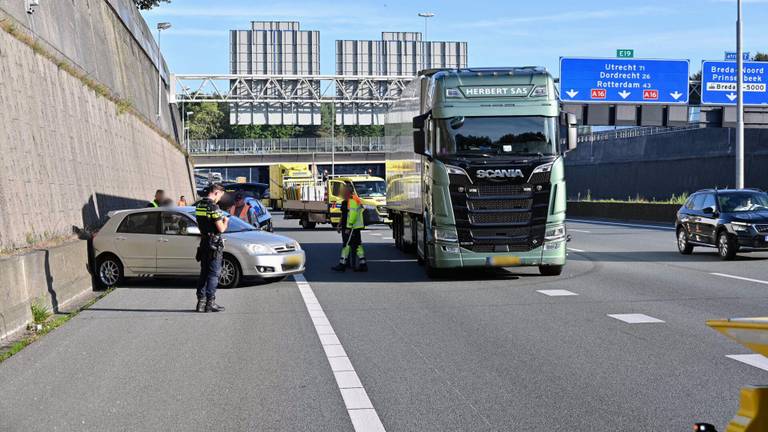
<point>140,223</point>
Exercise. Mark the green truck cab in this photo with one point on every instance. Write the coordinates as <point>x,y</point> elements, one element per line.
<point>475,174</point>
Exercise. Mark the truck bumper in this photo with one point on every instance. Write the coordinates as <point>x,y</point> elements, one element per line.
<point>450,255</point>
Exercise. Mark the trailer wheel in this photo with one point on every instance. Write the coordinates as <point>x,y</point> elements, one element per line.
<point>306,224</point>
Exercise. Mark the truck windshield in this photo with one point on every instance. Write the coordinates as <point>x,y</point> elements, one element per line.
<point>514,136</point>
<point>370,189</point>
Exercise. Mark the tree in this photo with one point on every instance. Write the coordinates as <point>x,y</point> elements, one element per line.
<point>149,4</point>
<point>206,121</point>
<point>760,57</point>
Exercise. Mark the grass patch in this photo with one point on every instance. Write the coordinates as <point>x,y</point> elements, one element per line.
<point>40,313</point>
<point>48,326</point>
<point>674,199</point>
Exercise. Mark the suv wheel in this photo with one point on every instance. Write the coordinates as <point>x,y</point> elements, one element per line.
<point>683,246</point>
<point>726,246</point>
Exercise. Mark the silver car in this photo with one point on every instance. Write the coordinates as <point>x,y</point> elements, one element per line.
<point>163,241</point>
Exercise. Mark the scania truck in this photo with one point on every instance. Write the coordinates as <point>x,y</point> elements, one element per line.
<point>475,173</point>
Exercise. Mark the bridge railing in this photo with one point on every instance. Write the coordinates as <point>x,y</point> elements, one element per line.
<point>633,132</point>
<point>277,146</point>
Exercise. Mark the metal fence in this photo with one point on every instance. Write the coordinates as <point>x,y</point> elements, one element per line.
<point>632,133</point>
<point>277,146</point>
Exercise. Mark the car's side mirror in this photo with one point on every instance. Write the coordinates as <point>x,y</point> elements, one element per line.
<point>193,230</point>
<point>709,210</point>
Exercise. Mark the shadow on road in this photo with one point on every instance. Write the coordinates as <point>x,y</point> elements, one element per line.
<point>659,256</point>
<point>97,309</point>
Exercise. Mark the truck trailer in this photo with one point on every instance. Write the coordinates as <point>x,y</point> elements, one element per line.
<point>475,174</point>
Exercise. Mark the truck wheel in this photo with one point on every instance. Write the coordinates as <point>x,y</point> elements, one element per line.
<point>551,270</point>
<point>306,224</point>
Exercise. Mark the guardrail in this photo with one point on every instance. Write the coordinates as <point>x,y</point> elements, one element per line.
<point>632,133</point>
<point>278,146</point>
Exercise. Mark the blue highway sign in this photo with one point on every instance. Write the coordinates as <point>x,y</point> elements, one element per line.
<point>732,55</point>
<point>619,80</point>
<point>718,83</point>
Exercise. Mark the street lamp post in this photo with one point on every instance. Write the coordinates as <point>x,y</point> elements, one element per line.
<point>739,100</point>
<point>426,16</point>
<point>160,27</point>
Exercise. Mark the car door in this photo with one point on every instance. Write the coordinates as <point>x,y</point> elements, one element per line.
<point>708,219</point>
<point>177,245</point>
<point>136,241</point>
<point>694,215</point>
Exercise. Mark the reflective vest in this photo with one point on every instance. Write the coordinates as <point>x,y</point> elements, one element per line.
<point>355,216</point>
<point>243,212</point>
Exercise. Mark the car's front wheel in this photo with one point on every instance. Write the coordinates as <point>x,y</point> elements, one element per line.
<point>230,272</point>
<point>109,271</point>
<point>726,246</point>
<point>683,245</point>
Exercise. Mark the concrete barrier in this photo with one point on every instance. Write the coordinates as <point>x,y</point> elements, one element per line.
<point>628,212</point>
<point>54,277</point>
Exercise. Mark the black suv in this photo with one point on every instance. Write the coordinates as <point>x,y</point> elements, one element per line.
<point>731,220</point>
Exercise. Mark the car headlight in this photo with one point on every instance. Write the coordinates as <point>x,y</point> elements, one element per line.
<point>740,226</point>
<point>297,245</point>
<point>258,249</point>
<point>446,235</point>
<point>554,233</point>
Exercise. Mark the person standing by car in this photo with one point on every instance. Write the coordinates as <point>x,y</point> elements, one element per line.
<point>210,253</point>
<point>159,198</point>
<point>182,202</point>
<point>351,226</point>
<point>242,210</point>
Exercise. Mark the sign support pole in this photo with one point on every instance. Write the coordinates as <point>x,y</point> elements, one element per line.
<point>739,101</point>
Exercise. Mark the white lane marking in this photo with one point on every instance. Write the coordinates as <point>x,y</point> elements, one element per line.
<point>557,292</point>
<point>376,234</point>
<point>578,230</point>
<point>361,413</point>
<point>393,260</point>
<point>756,360</point>
<point>576,250</point>
<point>388,238</point>
<point>635,318</point>
<point>623,224</point>
<point>740,278</point>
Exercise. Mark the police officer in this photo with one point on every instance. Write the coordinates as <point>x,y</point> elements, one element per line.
<point>210,253</point>
<point>159,198</point>
<point>351,226</point>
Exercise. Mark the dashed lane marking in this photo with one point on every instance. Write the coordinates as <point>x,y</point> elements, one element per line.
<point>387,238</point>
<point>635,318</point>
<point>557,292</point>
<point>740,278</point>
<point>393,260</point>
<point>580,231</point>
<point>361,412</point>
<point>756,360</point>
<point>622,224</point>
<point>576,250</point>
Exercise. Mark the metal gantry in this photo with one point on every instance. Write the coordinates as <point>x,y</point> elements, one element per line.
<point>298,89</point>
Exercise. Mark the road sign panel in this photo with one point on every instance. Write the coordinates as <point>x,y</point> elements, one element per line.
<point>718,83</point>
<point>622,80</point>
<point>732,55</point>
<point>625,53</point>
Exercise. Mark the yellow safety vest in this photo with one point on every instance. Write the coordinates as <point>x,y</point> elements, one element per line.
<point>355,217</point>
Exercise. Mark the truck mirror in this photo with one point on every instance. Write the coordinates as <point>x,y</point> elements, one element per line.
<point>420,142</point>
<point>420,120</point>
<point>573,137</point>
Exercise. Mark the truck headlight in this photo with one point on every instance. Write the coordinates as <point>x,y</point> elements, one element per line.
<point>543,168</point>
<point>555,233</point>
<point>258,249</point>
<point>740,226</point>
<point>446,235</point>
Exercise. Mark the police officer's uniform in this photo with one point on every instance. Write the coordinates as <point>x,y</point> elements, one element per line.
<point>210,253</point>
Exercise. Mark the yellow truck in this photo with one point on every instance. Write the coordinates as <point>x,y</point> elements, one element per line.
<point>320,201</point>
<point>287,176</point>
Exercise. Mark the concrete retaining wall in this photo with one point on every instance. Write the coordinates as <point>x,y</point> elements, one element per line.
<point>627,212</point>
<point>659,166</point>
<point>55,277</point>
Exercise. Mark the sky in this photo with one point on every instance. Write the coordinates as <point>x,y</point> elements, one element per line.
<point>499,32</point>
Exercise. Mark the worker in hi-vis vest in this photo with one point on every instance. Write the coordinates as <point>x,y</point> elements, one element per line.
<point>351,225</point>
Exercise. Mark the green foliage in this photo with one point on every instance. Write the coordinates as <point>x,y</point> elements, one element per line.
<point>149,4</point>
<point>206,122</point>
<point>264,131</point>
<point>40,312</point>
<point>637,199</point>
<point>760,57</point>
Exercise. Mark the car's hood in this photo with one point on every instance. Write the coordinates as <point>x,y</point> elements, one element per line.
<point>759,216</point>
<point>260,237</point>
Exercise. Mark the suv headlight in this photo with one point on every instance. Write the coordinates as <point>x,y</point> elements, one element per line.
<point>446,235</point>
<point>258,249</point>
<point>740,226</point>
<point>555,233</point>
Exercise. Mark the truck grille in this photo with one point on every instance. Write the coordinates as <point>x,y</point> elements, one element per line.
<point>513,204</point>
<point>500,189</point>
<point>500,218</point>
<point>539,178</point>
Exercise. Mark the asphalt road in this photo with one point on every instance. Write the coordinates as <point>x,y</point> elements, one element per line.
<point>481,351</point>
